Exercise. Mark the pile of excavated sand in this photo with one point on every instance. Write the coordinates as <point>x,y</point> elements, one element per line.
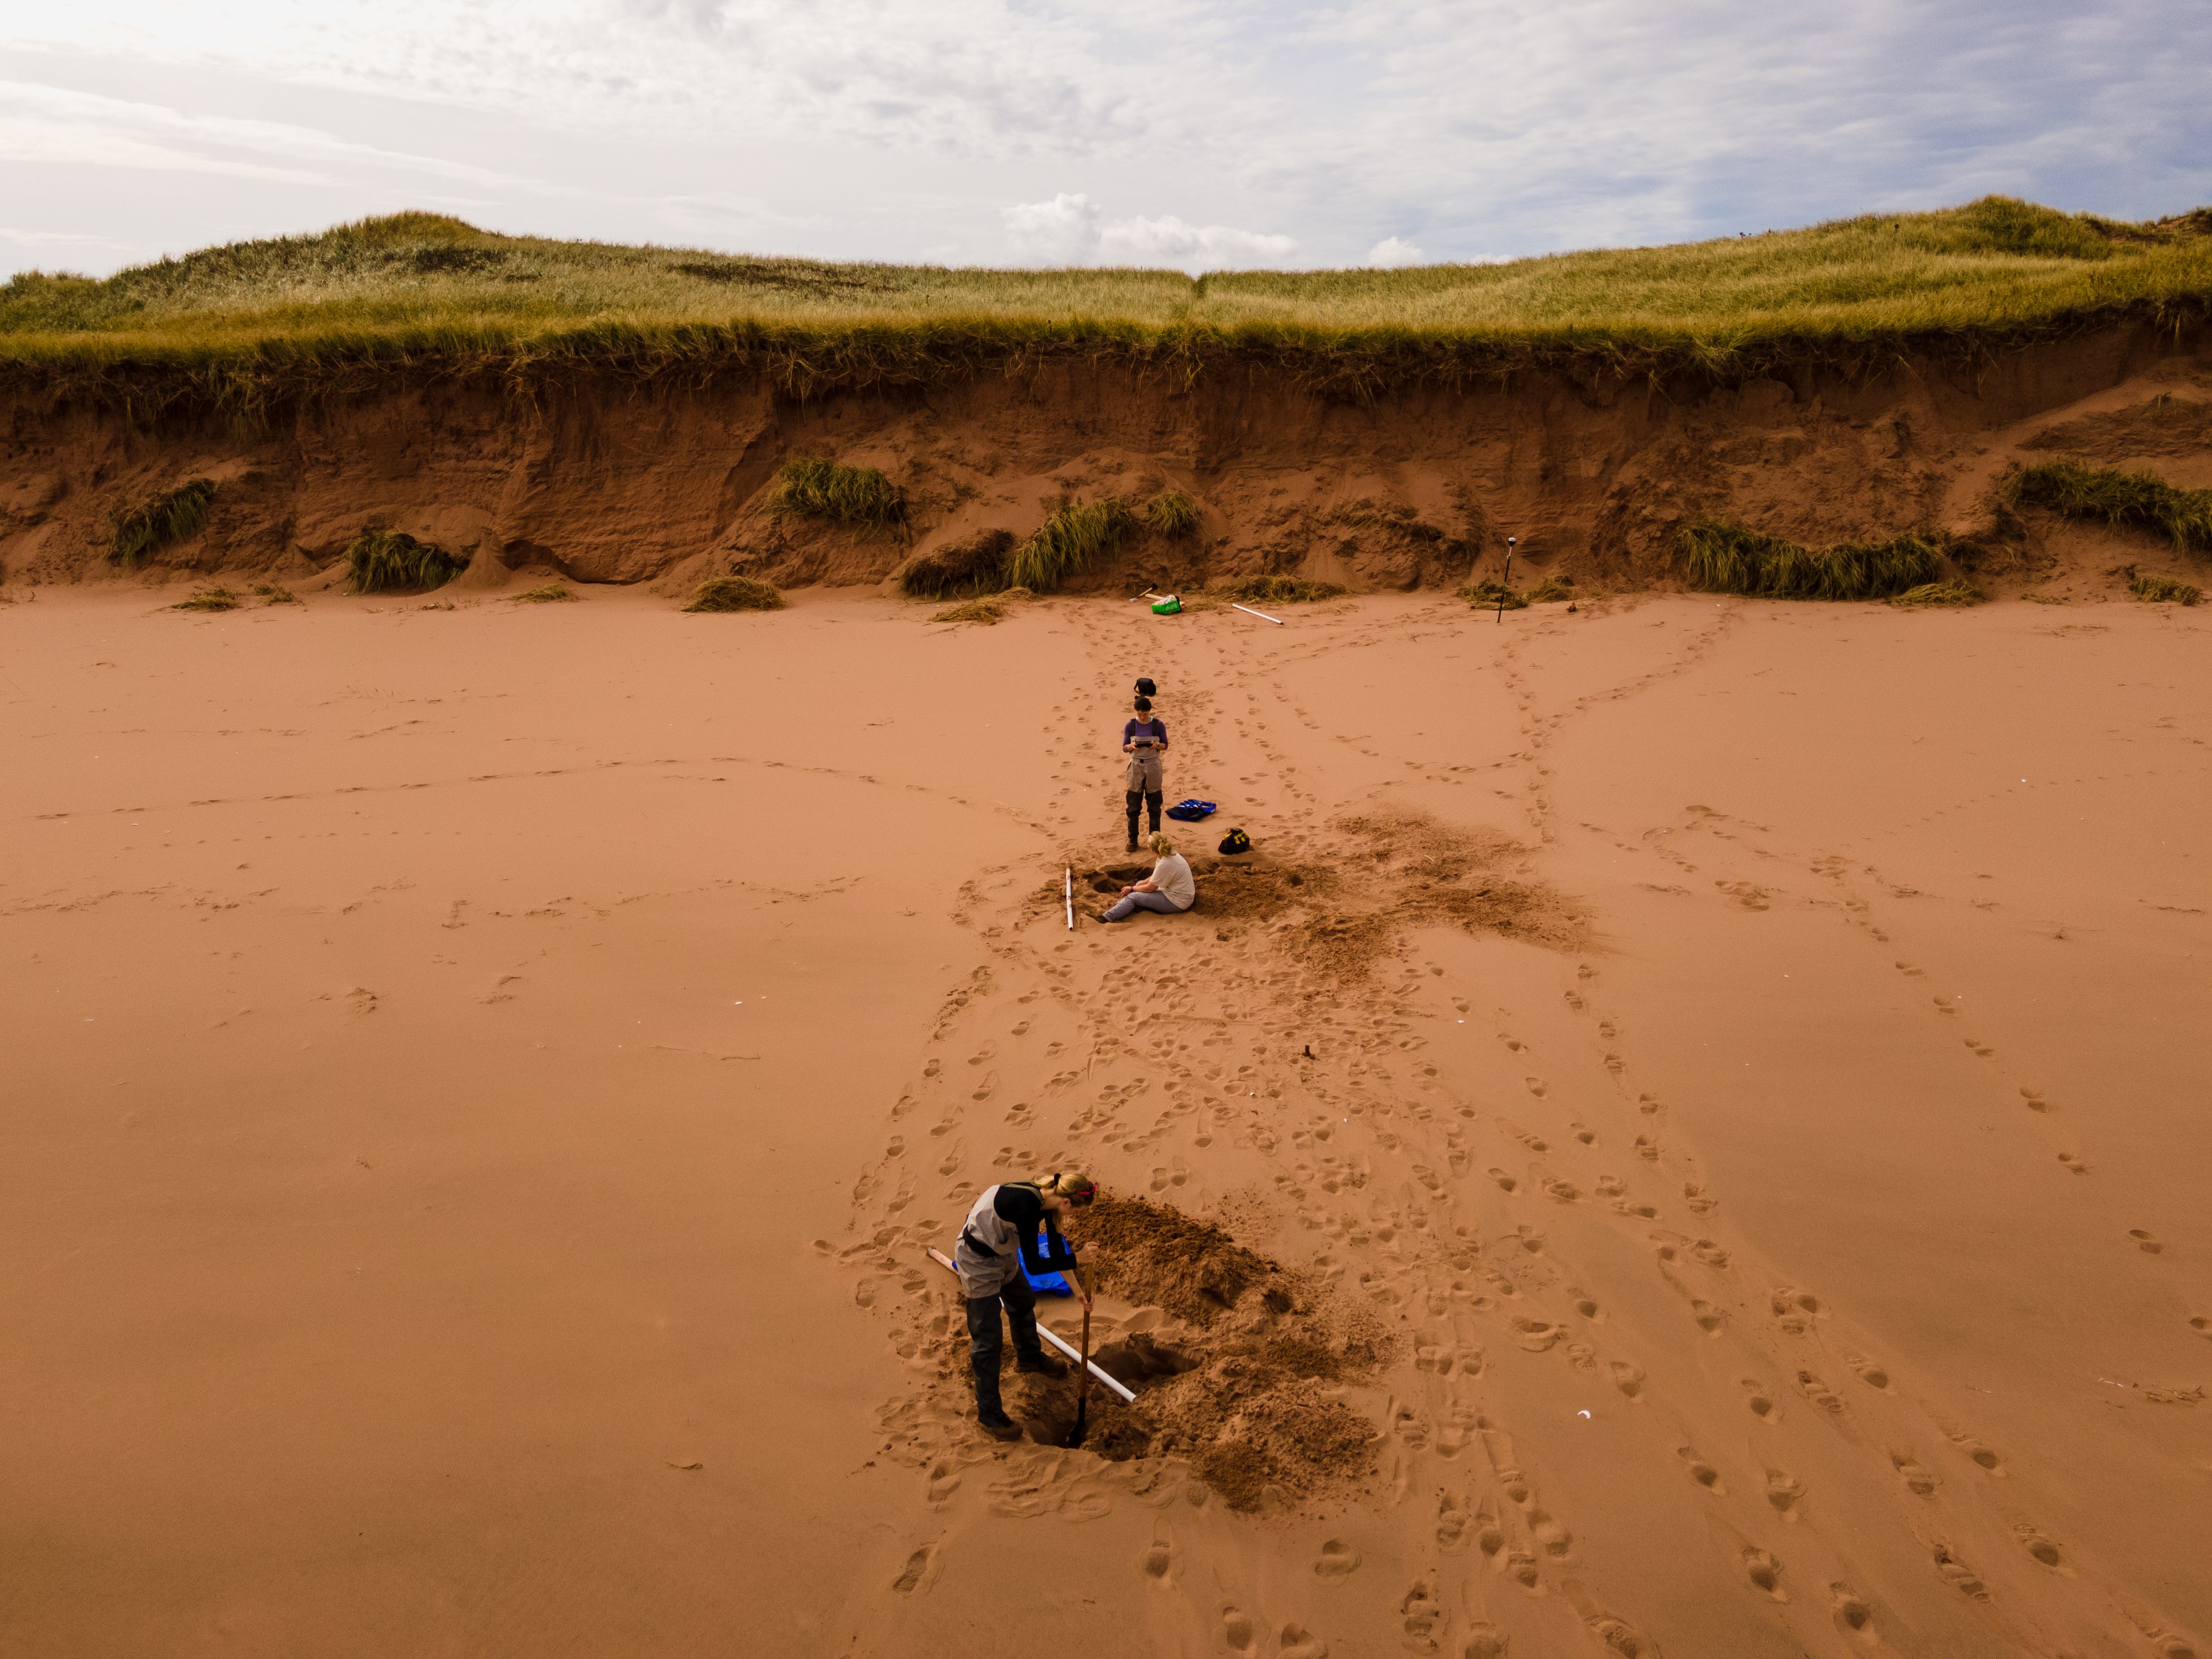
<point>1247,1381</point>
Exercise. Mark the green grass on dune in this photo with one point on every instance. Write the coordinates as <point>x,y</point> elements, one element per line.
<point>1076,534</point>
<point>2164,590</point>
<point>824,489</point>
<point>2143,499</point>
<point>134,531</point>
<point>251,319</point>
<point>1720,558</point>
<point>378,560</point>
<point>722,593</point>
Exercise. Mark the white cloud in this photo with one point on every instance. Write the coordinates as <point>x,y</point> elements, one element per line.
<point>1071,229</point>
<point>1394,250</point>
<point>1061,232</point>
<point>863,129</point>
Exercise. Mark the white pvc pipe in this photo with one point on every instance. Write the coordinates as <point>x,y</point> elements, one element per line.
<point>1129,1395</point>
<point>1262,615</point>
<point>1071,899</point>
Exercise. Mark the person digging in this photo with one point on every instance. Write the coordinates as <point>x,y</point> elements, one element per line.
<point>1144,741</point>
<point>998,1241</point>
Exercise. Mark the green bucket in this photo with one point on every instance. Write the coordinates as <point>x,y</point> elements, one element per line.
<point>1167,607</point>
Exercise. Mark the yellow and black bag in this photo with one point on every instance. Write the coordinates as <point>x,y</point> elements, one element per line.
<point>1236,842</point>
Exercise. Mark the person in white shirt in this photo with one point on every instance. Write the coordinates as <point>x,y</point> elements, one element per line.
<point>1170,889</point>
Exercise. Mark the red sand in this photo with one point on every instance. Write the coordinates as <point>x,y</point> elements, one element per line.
<point>436,1038</point>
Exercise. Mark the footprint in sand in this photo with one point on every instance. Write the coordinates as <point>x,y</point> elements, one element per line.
<point>1710,1319</point>
<point>1785,1492</point>
<point>1810,1385</point>
<point>1423,1617</point>
<point>1586,1306</point>
<point>916,1572</point>
<point>2146,1241</point>
<point>2074,1163</point>
<point>1337,1560</point>
<point>1585,1136</point>
<point>1958,1574</point>
<point>1237,1630</point>
<point>2038,1547</point>
<point>1561,1191</point>
<point>1981,1456</point>
<point>1765,1572</point>
<point>1853,1617</point>
<point>1297,1642</point>
<point>1485,1641</point>
<point>1704,1474</point>
<point>1628,1378</point>
<point>1451,1522</point>
<point>1610,1186</point>
<point>1158,1561</point>
<point>1531,1240</point>
<point>1870,1373</point>
<point>1503,1180</point>
<point>1914,1474</point>
<point>1761,1402</point>
<point>1535,1335</point>
<point>2200,1325</point>
<point>2035,1101</point>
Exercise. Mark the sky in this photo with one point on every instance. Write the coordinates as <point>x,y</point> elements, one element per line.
<point>1203,134</point>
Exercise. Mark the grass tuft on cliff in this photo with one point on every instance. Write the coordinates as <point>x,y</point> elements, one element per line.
<point>2164,590</point>
<point>975,564</point>
<point>2143,499</point>
<point>1171,513</point>
<point>1280,590</point>
<point>1717,557</point>
<point>1076,534</point>
<point>735,594</point>
<point>824,489</point>
<point>378,560</point>
<point>135,532</point>
<point>250,320</point>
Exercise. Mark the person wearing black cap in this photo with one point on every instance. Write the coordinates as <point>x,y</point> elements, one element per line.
<point>1144,741</point>
<point>1012,1227</point>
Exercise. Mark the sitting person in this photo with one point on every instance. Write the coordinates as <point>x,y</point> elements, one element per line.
<point>1169,889</point>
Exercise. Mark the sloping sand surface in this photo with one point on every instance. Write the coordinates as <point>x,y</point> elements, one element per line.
<point>1718,1091</point>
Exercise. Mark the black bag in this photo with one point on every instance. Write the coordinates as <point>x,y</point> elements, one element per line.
<point>1146,689</point>
<point>1236,842</point>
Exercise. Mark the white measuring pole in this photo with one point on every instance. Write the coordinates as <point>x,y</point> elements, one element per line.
<point>1262,615</point>
<point>1070,894</point>
<point>1050,1335</point>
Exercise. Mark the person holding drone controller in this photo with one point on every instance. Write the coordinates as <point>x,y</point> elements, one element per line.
<point>1144,741</point>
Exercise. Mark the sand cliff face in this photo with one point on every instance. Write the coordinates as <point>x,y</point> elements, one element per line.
<point>605,479</point>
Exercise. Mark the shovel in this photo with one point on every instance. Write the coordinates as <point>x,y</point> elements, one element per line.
<point>1082,1371</point>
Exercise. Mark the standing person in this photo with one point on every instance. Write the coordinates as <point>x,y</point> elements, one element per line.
<point>998,1243</point>
<point>1144,741</point>
<point>1170,889</point>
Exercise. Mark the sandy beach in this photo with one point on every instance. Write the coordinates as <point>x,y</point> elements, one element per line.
<point>1726,1082</point>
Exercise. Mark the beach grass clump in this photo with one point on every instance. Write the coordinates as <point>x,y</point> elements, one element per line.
<point>986,610</point>
<point>1552,589</point>
<point>1281,590</point>
<point>1717,556</point>
<point>2082,492</point>
<point>735,594</point>
<point>1493,595</point>
<point>551,594</point>
<point>275,593</point>
<point>2164,590</point>
<point>209,598</point>
<point>975,564</point>
<point>1929,595</point>
<point>817,489</point>
<point>378,560</point>
<point>1171,513</point>
<point>135,532</point>
<point>1074,536</point>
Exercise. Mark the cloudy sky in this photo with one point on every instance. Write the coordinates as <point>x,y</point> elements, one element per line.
<point>1198,133</point>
